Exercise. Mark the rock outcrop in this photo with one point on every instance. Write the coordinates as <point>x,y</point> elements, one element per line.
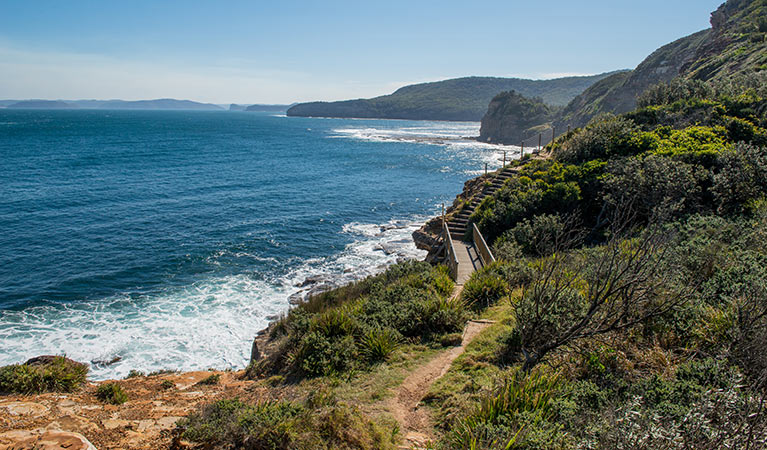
<point>44,440</point>
<point>511,117</point>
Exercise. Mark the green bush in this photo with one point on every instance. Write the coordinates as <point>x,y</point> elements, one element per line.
<point>741,179</point>
<point>541,236</point>
<point>484,288</point>
<point>506,249</point>
<point>379,343</point>
<point>604,138</point>
<point>322,355</point>
<point>44,374</point>
<point>210,380</point>
<point>652,184</point>
<point>319,422</point>
<point>515,416</point>
<point>443,315</point>
<point>111,393</point>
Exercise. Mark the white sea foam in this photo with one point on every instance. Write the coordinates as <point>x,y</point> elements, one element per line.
<point>209,324</point>
<point>457,138</point>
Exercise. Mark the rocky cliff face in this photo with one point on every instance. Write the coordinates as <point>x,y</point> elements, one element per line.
<point>510,117</point>
<point>735,44</point>
<point>618,93</point>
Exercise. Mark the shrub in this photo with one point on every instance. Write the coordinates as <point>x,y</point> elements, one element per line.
<point>604,138</point>
<point>443,315</point>
<point>378,344</point>
<point>210,380</point>
<point>541,236</point>
<point>319,422</point>
<point>111,393</point>
<point>135,374</point>
<point>320,355</point>
<point>451,339</point>
<point>167,384</point>
<point>484,288</point>
<point>43,374</point>
<point>517,412</point>
<point>652,184</point>
<point>335,322</point>
<point>441,281</point>
<point>678,89</point>
<point>741,179</point>
<point>506,249</point>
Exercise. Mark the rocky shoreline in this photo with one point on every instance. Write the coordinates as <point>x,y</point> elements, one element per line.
<point>56,421</point>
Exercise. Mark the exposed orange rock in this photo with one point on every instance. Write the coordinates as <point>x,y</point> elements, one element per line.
<point>55,421</point>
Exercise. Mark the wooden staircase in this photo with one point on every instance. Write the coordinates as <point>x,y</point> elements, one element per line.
<point>459,224</point>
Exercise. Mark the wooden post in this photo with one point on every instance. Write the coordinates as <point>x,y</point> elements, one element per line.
<point>553,134</point>
<point>485,168</point>
<point>540,137</point>
<point>568,129</point>
<point>504,158</point>
<point>522,150</point>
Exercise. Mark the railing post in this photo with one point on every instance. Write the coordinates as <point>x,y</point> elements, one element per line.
<point>485,168</point>
<point>504,158</point>
<point>522,150</point>
<point>568,129</point>
<point>553,133</point>
<point>540,137</point>
<point>443,214</point>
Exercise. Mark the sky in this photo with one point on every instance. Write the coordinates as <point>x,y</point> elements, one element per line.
<point>287,51</point>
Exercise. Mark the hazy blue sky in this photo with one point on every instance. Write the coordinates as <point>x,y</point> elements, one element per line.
<point>285,51</point>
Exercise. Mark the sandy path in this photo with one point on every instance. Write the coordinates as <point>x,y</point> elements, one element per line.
<point>414,420</point>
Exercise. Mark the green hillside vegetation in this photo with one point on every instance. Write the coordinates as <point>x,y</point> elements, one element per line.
<point>461,99</point>
<point>636,266</point>
<point>629,301</point>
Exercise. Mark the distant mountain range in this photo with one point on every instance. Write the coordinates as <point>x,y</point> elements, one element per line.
<point>460,99</point>
<point>158,104</point>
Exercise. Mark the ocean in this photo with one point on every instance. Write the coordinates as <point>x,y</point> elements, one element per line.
<point>154,240</point>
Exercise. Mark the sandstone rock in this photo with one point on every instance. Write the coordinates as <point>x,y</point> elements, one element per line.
<point>111,424</point>
<point>167,423</point>
<point>24,408</point>
<point>44,440</point>
<point>255,354</point>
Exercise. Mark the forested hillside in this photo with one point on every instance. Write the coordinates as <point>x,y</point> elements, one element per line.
<point>462,99</point>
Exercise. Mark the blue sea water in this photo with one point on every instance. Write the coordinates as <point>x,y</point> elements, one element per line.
<point>167,239</point>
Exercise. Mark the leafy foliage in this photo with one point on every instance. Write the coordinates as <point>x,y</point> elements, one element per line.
<point>319,422</point>
<point>48,374</point>
<point>328,334</point>
<point>111,393</point>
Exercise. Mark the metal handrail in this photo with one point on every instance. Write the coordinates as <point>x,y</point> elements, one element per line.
<point>479,242</point>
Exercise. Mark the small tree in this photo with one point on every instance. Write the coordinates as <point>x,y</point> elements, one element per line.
<point>582,294</point>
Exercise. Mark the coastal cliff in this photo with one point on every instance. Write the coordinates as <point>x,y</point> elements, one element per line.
<point>460,99</point>
<point>511,117</point>
<point>736,44</point>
